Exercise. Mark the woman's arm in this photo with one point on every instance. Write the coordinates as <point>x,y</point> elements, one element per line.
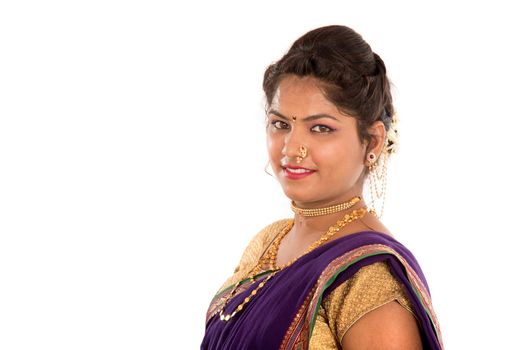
<point>389,327</point>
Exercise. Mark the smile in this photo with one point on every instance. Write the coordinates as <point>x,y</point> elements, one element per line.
<point>296,173</point>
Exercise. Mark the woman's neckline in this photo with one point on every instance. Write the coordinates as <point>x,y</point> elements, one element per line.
<point>332,242</point>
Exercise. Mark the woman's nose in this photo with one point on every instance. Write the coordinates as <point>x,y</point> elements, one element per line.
<point>292,142</point>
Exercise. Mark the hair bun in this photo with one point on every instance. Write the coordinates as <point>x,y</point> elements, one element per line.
<point>380,65</point>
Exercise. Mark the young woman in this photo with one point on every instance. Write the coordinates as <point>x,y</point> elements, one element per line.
<point>332,277</point>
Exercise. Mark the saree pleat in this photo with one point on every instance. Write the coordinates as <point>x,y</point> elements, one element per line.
<point>283,313</point>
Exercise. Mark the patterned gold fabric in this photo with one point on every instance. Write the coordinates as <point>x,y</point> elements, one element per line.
<point>254,251</point>
<point>371,287</point>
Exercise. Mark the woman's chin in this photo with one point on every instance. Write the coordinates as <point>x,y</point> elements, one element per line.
<point>301,197</point>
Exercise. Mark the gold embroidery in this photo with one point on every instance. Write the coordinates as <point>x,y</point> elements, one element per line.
<point>322,337</point>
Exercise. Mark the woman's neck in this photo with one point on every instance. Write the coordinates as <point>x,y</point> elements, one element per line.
<point>305,226</point>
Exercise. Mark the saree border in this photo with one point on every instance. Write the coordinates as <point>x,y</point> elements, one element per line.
<point>301,329</point>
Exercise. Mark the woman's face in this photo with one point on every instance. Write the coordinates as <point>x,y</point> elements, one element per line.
<point>332,171</point>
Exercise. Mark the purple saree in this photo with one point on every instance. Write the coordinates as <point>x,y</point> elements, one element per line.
<point>283,313</point>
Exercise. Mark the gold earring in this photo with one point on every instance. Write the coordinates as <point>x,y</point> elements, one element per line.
<point>377,182</point>
<point>302,153</point>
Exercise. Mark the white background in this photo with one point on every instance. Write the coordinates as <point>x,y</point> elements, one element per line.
<point>132,154</point>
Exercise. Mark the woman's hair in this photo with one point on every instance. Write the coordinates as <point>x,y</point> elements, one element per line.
<point>352,76</point>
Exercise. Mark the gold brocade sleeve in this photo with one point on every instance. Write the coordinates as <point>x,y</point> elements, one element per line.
<point>371,287</point>
<point>254,251</point>
<point>322,337</point>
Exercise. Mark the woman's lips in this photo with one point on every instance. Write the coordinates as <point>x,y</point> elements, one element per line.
<point>296,173</point>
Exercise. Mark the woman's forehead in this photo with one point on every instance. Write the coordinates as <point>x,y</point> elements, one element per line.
<point>303,97</point>
<point>301,93</point>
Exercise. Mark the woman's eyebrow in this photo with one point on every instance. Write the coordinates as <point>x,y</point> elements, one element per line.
<point>306,119</point>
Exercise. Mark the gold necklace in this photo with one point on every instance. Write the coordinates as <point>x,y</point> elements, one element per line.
<point>273,250</point>
<point>246,299</point>
<point>326,210</point>
<point>254,272</point>
<point>271,254</point>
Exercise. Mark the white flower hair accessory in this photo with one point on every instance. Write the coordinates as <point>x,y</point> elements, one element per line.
<point>391,142</point>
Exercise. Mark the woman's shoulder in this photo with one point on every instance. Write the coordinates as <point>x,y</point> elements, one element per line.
<point>268,233</point>
<point>260,242</point>
<point>255,248</point>
<point>369,288</point>
<point>371,223</point>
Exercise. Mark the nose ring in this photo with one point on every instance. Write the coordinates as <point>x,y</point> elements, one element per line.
<point>302,153</point>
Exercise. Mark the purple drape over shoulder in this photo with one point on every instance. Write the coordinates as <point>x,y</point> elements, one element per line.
<point>283,312</point>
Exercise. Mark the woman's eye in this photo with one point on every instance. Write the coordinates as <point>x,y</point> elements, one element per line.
<point>321,129</point>
<point>279,124</point>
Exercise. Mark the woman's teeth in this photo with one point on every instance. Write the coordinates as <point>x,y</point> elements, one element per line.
<point>298,171</point>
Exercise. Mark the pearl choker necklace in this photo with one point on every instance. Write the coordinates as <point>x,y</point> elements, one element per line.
<point>326,210</point>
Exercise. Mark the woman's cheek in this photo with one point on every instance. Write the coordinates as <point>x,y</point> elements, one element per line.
<point>327,154</point>
<point>273,148</point>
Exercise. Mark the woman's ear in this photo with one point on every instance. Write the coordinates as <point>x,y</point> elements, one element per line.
<point>377,131</point>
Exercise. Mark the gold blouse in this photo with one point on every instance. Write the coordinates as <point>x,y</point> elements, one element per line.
<point>371,287</point>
